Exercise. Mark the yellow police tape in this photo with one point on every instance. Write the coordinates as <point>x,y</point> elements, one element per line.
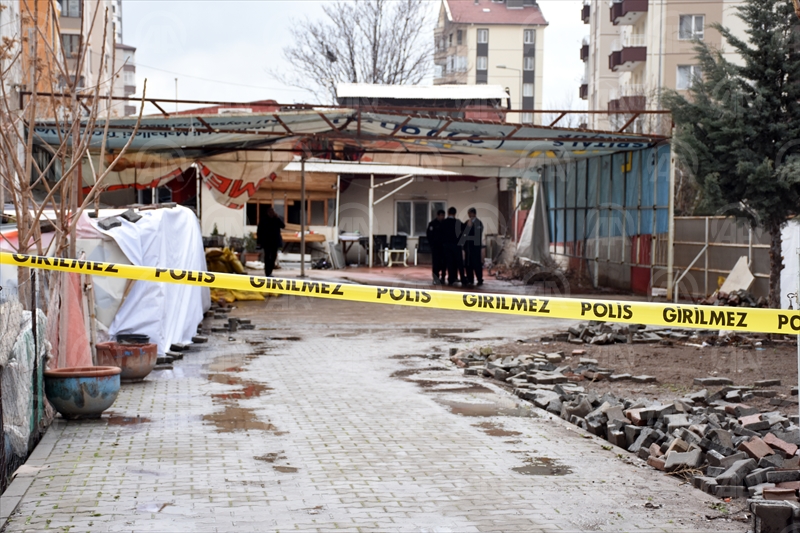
<point>655,314</point>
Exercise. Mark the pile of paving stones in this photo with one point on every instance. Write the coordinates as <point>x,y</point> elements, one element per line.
<point>605,333</point>
<point>714,440</point>
<point>738,298</point>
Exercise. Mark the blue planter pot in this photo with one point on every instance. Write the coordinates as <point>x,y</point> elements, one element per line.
<point>82,392</point>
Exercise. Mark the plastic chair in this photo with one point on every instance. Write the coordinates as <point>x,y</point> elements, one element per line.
<point>423,247</point>
<point>398,245</point>
<point>380,242</point>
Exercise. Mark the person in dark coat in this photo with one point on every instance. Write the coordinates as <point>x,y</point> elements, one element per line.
<point>269,238</point>
<point>434,233</point>
<point>471,241</point>
<point>451,233</point>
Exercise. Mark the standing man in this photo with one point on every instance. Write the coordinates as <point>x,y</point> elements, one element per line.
<point>471,240</point>
<point>434,234</point>
<point>451,233</point>
<point>269,238</point>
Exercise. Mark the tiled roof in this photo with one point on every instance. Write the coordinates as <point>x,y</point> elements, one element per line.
<point>488,12</point>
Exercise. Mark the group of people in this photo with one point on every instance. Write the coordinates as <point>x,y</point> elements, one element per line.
<point>456,248</point>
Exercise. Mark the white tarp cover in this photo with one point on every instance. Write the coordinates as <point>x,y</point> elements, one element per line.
<point>790,245</point>
<point>534,242</point>
<point>168,313</point>
<point>235,152</point>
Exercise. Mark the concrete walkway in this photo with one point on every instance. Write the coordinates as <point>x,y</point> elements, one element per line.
<point>343,416</point>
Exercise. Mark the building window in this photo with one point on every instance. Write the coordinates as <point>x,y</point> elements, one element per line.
<point>687,75</point>
<point>411,218</point>
<point>529,37</point>
<point>71,45</point>
<point>483,63</point>
<point>483,36</point>
<point>691,27</point>
<point>527,90</point>
<point>71,8</point>
<point>438,71</point>
<point>460,64</point>
<point>527,118</point>
<point>529,64</point>
<point>450,40</point>
<point>459,37</point>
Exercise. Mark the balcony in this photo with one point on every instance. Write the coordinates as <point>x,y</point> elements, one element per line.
<point>628,103</point>
<point>585,13</point>
<point>584,91</point>
<point>585,52</point>
<point>628,53</point>
<point>628,12</point>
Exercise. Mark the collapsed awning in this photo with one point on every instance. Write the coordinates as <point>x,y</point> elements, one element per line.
<point>235,152</point>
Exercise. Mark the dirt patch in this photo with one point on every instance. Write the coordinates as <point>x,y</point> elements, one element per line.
<point>413,371</point>
<point>676,366</point>
<point>450,386</point>
<point>493,430</point>
<point>233,418</point>
<point>126,420</point>
<point>286,469</point>
<point>542,466</point>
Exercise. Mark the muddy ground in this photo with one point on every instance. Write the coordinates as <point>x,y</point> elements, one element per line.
<point>676,366</point>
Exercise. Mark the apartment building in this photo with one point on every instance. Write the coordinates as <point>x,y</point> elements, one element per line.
<point>495,42</point>
<point>636,48</point>
<point>82,25</point>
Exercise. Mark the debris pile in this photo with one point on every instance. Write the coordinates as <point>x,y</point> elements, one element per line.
<point>738,298</point>
<point>713,440</point>
<point>605,333</point>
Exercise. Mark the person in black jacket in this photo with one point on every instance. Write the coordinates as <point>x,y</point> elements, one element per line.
<point>451,233</point>
<point>434,233</point>
<point>471,240</point>
<point>269,238</point>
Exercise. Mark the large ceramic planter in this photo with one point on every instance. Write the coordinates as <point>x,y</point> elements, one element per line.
<point>135,360</point>
<point>83,391</point>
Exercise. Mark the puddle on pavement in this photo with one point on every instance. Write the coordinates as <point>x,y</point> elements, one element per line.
<point>233,418</point>
<point>412,371</point>
<point>418,356</point>
<point>450,386</point>
<point>249,389</point>
<point>542,466</point>
<point>286,469</point>
<point>439,332</point>
<point>488,409</point>
<point>493,430</point>
<point>289,338</point>
<point>116,420</point>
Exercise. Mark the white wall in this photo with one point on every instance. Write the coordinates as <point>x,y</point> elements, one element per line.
<point>354,210</point>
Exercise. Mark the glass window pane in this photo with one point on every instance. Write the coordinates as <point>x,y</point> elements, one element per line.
<point>403,218</point>
<point>252,214</point>
<point>529,36</point>
<point>436,207</point>
<point>483,63</point>
<point>683,77</point>
<point>698,24</point>
<point>318,212</point>
<point>483,36</point>
<point>527,89</point>
<point>685,27</point>
<point>529,63</point>
<point>420,218</point>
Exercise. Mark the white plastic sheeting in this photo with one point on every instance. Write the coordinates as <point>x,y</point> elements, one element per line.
<point>18,378</point>
<point>534,241</point>
<point>167,313</point>
<point>791,243</point>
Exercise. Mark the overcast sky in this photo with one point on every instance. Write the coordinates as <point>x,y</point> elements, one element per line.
<point>222,50</point>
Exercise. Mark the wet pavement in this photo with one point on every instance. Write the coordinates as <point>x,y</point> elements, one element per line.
<point>344,416</point>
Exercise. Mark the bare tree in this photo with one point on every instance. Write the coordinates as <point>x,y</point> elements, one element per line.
<point>567,102</point>
<point>368,41</point>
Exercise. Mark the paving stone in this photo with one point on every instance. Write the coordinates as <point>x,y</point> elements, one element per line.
<point>756,448</point>
<point>775,493</point>
<point>774,461</point>
<point>656,462</point>
<point>757,490</point>
<point>730,491</point>
<point>779,445</point>
<point>712,382</point>
<point>681,461</point>
<point>783,476</point>
<point>773,516</point>
<point>644,440</point>
<point>714,471</point>
<point>736,473</point>
<point>619,377</point>
<point>676,421</point>
<point>753,422</point>
<point>794,485</point>
<point>767,383</point>
<point>644,379</point>
<point>757,476</point>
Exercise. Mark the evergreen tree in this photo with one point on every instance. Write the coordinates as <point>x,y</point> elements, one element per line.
<point>738,129</point>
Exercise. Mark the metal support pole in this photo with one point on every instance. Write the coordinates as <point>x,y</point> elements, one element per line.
<point>750,247</point>
<point>370,243</point>
<point>303,216</point>
<point>671,227</point>
<point>338,195</point>
<point>797,300</point>
<point>705,268</point>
